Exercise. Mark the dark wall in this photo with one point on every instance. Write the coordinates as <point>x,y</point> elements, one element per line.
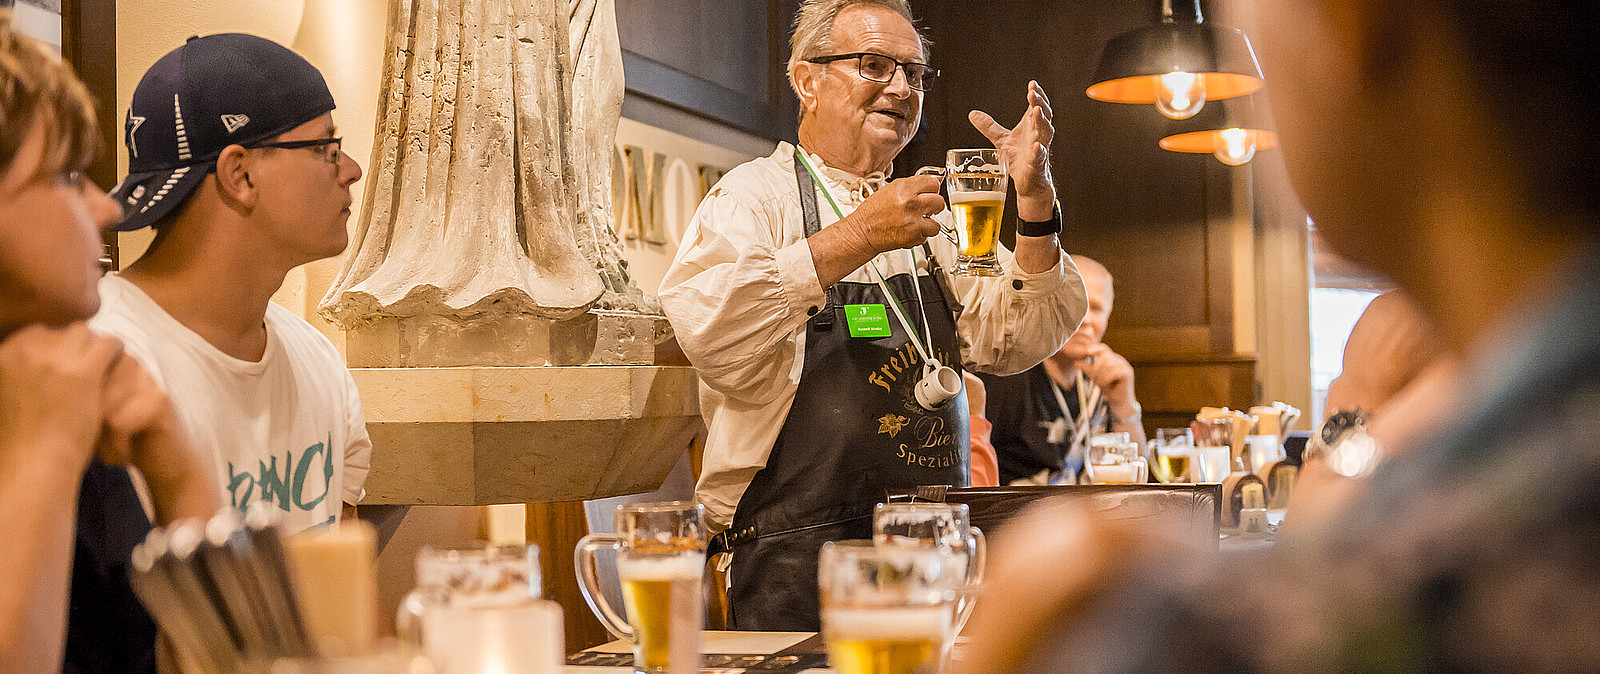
<point>720,59</point>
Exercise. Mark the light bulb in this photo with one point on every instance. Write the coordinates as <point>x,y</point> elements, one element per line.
<point>1234,146</point>
<point>1179,94</point>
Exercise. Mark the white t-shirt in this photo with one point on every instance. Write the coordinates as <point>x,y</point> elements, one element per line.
<point>287,429</point>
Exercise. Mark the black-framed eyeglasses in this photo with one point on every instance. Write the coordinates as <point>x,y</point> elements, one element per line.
<point>880,68</point>
<point>331,154</point>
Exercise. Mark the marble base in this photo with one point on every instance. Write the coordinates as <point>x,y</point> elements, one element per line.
<point>488,435</point>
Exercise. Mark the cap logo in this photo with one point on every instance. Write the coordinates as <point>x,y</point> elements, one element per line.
<point>235,122</point>
<point>133,127</point>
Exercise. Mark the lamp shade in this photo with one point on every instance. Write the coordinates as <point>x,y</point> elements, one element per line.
<point>1232,130</point>
<point>1133,62</point>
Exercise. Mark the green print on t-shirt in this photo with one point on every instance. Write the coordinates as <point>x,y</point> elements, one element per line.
<point>287,488</point>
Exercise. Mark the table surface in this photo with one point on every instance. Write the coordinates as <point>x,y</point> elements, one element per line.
<point>766,643</point>
<point>713,642</point>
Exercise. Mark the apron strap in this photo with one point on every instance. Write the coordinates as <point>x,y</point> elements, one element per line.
<point>935,272</point>
<point>808,209</point>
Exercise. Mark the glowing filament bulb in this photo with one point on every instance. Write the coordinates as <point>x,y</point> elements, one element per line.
<point>1179,94</point>
<point>1235,146</point>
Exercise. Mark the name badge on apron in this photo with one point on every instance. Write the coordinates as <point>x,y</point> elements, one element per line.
<point>867,320</point>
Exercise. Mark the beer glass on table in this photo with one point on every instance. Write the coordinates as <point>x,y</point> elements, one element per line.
<point>1116,463</point>
<point>661,554</point>
<point>1171,453</point>
<point>886,609</point>
<point>479,608</point>
<point>945,527</point>
<point>976,183</point>
<point>1213,452</point>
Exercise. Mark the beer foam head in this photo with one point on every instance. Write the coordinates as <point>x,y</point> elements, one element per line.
<point>898,623</point>
<point>964,197</point>
<point>661,567</point>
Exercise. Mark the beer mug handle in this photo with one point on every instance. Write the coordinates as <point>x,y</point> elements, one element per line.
<point>949,232</point>
<point>408,620</point>
<point>968,600</point>
<point>589,583</point>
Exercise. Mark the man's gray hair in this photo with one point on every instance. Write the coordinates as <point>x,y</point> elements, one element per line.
<point>813,29</point>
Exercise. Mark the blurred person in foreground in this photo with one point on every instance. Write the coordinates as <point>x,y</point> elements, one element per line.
<point>1450,146</point>
<point>1044,417</point>
<point>74,408</point>
<point>1398,377</point>
<point>234,160</point>
<point>808,427</point>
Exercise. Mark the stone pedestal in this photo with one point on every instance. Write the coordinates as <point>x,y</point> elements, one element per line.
<point>594,338</point>
<point>488,435</point>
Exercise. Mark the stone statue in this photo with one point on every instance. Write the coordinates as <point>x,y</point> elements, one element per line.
<point>486,237</point>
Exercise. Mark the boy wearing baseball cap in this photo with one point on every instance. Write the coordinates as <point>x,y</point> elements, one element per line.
<point>235,161</point>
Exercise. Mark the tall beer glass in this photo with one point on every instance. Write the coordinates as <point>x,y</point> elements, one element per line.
<point>886,609</point>
<point>976,184</point>
<point>941,526</point>
<point>661,555</point>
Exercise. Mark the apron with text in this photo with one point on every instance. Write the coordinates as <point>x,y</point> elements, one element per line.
<point>854,432</point>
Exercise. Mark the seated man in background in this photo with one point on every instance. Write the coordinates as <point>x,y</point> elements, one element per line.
<point>233,158</point>
<point>73,406</point>
<point>1477,549</point>
<point>1044,417</point>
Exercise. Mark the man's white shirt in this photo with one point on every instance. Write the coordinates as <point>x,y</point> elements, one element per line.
<point>287,429</point>
<point>743,285</point>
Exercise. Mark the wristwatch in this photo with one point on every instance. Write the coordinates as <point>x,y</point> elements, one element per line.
<point>1342,442</point>
<point>1046,228</point>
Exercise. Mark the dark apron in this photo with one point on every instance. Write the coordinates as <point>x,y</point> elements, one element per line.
<point>854,432</point>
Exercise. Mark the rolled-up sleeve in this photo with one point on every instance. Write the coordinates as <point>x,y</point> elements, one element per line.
<point>1014,321</point>
<point>736,297</point>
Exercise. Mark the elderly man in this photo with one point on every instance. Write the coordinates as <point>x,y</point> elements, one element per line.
<point>807,425</point>
<point>1044,417</point>
<point>1475,549</point>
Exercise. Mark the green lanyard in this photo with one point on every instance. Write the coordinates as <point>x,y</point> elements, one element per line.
<point>894,300</point>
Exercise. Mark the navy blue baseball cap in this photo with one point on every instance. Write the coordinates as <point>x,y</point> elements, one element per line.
<point>214,91</point>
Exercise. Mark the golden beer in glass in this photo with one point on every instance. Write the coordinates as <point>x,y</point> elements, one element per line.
<point>884,641</point>
<point>976,183</point>
<point>661,555</point>
<point>887,610</point>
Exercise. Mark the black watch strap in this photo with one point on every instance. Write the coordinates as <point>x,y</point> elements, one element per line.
<point>1046,228</point>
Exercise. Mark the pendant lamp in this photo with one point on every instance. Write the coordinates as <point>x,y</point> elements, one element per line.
<point>1233,131</point>
<point>1177,64</point>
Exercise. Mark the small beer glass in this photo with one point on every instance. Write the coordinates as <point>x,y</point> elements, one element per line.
<point>661,556</point>
<point>941,526</point>
<point>1116,463</point>
<point>1213,455</point>
<point>1170,454</point>
<point>886,609</point>
<point>976,183</point>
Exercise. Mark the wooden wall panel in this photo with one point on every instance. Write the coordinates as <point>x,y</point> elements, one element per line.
<point>556,528</point>
<point>718,59</point>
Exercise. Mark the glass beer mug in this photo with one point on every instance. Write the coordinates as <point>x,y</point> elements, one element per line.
<point>479,610</point>
<point>940,526</point>
<point>975,181</point>
<point>661,556</point>
<point>887,609</point>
